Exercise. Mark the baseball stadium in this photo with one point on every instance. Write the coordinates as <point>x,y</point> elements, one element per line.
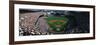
<point>49,22</point>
